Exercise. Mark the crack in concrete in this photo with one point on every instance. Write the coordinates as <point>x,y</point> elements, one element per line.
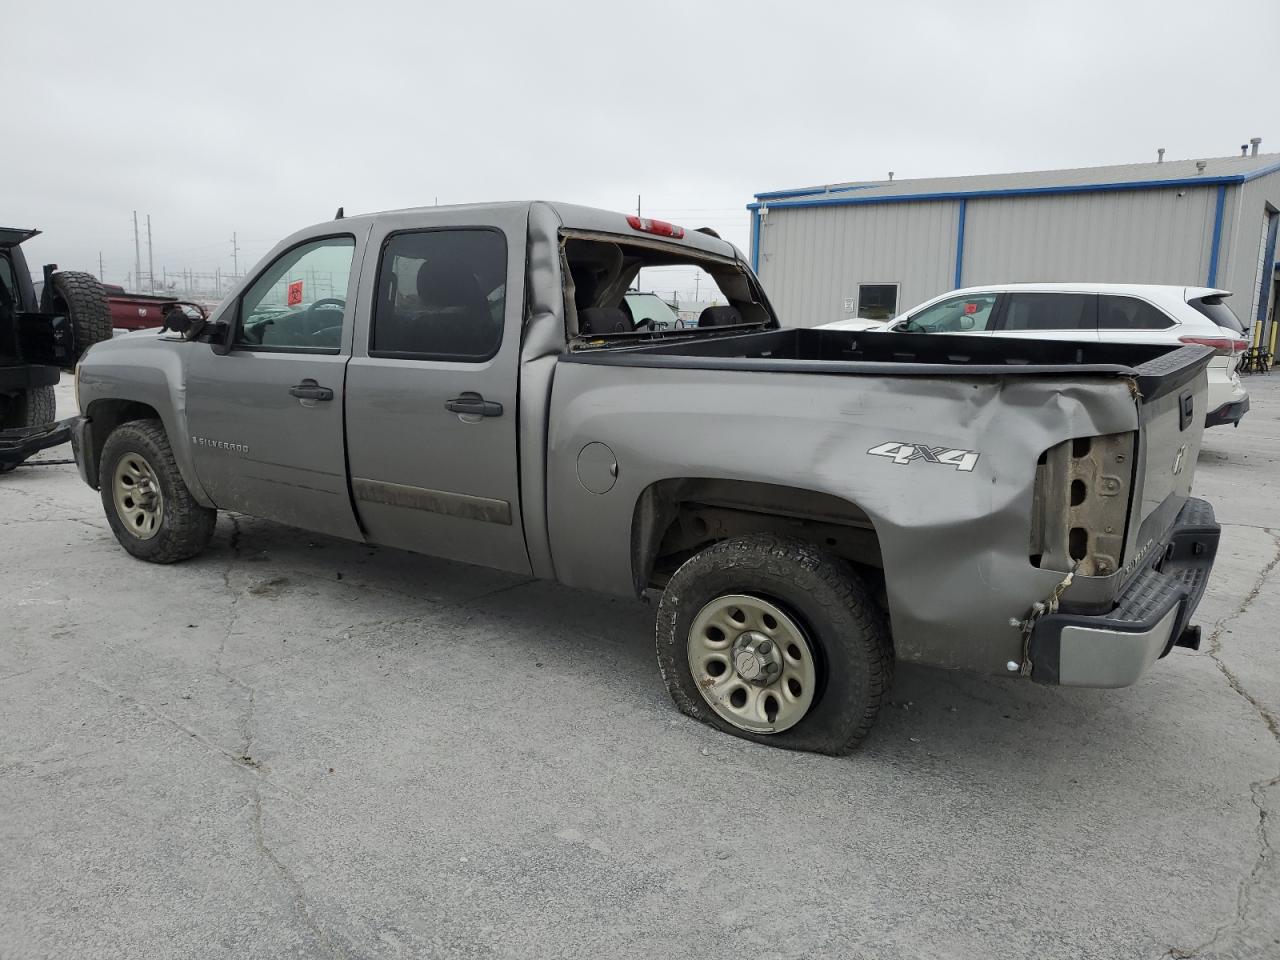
<point>258,770</point>
<point>1258,788</point>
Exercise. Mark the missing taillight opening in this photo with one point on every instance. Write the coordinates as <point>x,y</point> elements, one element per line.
<point>1080,504</point>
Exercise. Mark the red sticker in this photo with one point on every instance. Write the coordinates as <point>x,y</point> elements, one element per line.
<point>295,293</point>
<point>968,307</point>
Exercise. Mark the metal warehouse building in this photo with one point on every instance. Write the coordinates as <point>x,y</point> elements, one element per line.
<point>873,249</point>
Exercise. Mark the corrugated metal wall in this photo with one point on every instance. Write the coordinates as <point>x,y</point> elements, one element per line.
<point>1242,276</point>
<point>812,258</point>
<point>1146,236</point>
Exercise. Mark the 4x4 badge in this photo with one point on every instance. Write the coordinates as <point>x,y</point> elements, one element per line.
<point>962,460</point>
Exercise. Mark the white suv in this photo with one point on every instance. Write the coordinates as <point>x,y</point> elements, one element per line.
<point>1115,312</point>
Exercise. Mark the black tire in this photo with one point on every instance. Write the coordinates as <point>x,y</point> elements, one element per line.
<point>26,408</point>
<point>825,597</point>
<point>83,299</point>
<point>29,408</point>
<point>185,527</point>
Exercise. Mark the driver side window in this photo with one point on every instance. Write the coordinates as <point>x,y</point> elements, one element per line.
<point>967,314</point>
<point>298,303</point>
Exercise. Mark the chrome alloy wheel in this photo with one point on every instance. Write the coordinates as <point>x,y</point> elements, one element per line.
<point>752,663</point>
<point>135,490</point>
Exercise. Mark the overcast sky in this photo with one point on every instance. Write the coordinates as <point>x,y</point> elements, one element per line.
<point>263,117</point>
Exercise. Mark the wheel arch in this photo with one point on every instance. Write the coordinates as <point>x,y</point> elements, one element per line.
<point>105,414</point>
<point>674,518</point>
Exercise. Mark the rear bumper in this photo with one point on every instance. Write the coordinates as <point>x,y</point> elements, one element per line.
<point>1228,413</point>
<point>21,442</point>
<point>1152,615</point>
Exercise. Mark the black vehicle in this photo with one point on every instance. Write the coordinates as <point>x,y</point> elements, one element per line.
<point>38,338</point>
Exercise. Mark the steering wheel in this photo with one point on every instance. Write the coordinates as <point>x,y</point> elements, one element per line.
<point>645,324</point>
<point>322,321</point>
<point>342,304</point>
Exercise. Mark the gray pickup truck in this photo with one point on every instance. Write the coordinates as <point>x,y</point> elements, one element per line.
<point>810,504</point>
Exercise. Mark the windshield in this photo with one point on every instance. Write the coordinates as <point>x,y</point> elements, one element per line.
<point>649,307</point>
<point>1218,312</point>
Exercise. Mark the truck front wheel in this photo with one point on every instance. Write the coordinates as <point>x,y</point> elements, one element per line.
<point>771,639</point>
<point>147,503</point>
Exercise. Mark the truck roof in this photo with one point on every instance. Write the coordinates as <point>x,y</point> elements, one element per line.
<point>574,217</point>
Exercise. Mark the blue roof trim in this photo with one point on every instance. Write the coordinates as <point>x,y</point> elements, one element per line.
<point>1262,172</point>
<point>1201,181</point>
<point>812,191</point>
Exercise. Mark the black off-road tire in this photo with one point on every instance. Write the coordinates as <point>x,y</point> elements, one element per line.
<point>84,300</point>
<point>831,603</point>
<point>30,408</point>
<point>185,527</point>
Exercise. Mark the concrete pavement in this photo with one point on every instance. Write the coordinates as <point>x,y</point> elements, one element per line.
<point>298,747</point>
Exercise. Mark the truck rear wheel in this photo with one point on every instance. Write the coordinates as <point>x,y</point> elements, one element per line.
<point>771,639</point>
<point>81,297</point>
<point>147,503</point>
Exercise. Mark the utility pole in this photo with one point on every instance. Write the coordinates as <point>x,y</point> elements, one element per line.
<point>697,286</point>
<point>637,204</point>
<point>217,280</point>
<point>235,254</point>
<point>101,276</point>
<point>137,252</point>
<point>151,270</point>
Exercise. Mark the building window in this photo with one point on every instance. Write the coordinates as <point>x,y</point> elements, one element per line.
<point>877,301</point>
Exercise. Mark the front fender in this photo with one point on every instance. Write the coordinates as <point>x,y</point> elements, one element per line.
<point>146,369</point>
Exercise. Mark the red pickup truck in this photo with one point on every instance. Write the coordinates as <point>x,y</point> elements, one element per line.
<point>141,311</point>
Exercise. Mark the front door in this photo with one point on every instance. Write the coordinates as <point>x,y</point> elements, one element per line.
<point>432,400</point>
<point>266,418</point>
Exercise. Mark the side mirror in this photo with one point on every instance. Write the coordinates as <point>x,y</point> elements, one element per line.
<point>218,335</point>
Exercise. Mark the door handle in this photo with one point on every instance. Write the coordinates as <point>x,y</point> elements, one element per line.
<point>475,405</point>
<point>310,390</point>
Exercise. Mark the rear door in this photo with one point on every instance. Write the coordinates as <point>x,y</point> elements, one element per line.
<point>266,419</point>
<point>432,389</point>
<point>1048,315</point>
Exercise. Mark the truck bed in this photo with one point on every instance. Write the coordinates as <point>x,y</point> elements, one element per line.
<point>1155,368</point>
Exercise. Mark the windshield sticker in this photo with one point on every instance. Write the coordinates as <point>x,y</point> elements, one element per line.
<point>902,453</point>
<point>295,293</point>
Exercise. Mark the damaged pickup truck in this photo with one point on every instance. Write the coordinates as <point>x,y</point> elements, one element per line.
<point>811,504</point>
